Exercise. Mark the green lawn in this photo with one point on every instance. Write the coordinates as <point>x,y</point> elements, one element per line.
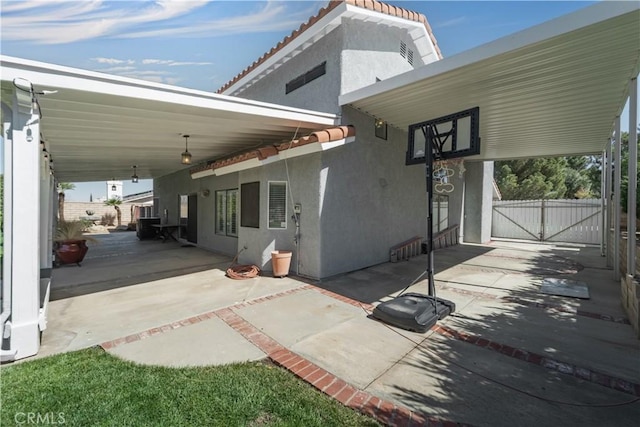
<point>91,387</point>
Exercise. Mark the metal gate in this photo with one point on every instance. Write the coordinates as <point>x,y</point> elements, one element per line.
<point>574,221</point>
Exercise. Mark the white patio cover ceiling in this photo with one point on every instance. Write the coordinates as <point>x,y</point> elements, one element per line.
<point>550,90</point>
<point>97,126</point>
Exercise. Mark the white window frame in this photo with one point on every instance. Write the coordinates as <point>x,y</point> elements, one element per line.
<point>284,224</point>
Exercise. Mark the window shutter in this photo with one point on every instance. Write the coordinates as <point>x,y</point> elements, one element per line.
<point>232,213</point>
<point>221,214</point>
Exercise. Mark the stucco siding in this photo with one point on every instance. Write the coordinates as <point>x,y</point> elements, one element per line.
<point>320,94</point>
<point>371,200</point>
<point>373,51</point>
<point>303,189</point>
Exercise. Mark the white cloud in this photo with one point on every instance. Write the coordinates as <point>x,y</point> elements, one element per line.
<point>56,21</point>
<point>64,21</point>
<point>113,61</point>
<point>451,22</point>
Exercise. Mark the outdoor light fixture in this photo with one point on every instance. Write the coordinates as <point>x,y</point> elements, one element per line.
<point>381,128</point>
<point>134,177</point>
<point>113,186</point>
<point>186,155</point>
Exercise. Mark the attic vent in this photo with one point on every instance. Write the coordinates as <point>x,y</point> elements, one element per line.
<point>307,77</point>
<point>410,57</point>
<point>403,49</point>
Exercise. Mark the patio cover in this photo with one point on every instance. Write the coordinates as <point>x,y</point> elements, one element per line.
<point>551,90</point>
<point>97,126</point>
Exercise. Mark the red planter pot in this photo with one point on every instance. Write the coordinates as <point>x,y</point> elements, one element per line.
<point>71,251</point>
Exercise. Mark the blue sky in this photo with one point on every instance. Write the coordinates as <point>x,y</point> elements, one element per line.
<point>202,44</point>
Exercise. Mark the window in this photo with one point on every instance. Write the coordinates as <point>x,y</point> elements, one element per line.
<point>250,205</point>
<point>307,77</point>
<point>227,212</point>
<point>278,205</point>
<point>440,212</point>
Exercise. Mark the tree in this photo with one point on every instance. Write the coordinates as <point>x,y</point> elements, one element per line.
<point>62,187</point>
<point>532,178</point>
<point>624,181</point>
<point>116,202</point>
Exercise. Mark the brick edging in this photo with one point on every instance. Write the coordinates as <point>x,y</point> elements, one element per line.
<point>138,336</point>
<point>586,374</point>
<point>566,368</point>
<point>364,402</point>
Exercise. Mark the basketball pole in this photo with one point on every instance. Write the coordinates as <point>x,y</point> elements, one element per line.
<point>429,171</point>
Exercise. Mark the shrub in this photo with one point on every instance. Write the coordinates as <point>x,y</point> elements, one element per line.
<point>108,219</point>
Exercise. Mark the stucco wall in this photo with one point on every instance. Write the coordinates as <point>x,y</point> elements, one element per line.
<point>372,51</point>
<point>320,94</point>
<point>370,199</point>
<point>303,189</point>
<point>478,202</point>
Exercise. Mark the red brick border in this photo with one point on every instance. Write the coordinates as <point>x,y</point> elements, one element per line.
<point>384,411</point>
<point>586,374</point>
<point>196,319</point>
<point>566,368</point>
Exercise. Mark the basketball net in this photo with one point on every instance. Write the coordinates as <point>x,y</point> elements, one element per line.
<point>443,170</point>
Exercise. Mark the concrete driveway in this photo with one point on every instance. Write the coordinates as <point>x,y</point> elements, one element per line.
<point>510,355</point>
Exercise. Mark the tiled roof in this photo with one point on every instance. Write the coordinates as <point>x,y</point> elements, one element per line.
<point>322,136</point>
<point>374,5</point>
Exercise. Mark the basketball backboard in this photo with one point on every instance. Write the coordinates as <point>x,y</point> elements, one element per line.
<point>452,136</point>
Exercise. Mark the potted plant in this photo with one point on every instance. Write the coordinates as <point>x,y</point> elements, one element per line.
<point>71,243</point>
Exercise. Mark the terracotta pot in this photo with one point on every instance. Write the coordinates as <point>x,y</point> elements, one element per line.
<point>280,260</point>
<point>71,251</point>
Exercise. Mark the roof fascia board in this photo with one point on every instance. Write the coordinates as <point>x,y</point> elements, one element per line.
<point>53,76</point>
<point>590,15</point>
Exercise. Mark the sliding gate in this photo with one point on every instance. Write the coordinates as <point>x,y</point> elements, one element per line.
<point>574,221</point>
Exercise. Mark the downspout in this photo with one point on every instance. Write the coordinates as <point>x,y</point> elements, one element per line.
<point>617,210</point>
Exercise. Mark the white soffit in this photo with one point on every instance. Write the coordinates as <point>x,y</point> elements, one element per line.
<point>551,90</point>
<point>97,125</point>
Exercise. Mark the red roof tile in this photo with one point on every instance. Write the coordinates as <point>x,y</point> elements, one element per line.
<point>374,5</point>
<point>321,136</point>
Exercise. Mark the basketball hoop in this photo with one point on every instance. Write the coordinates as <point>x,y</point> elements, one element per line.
<point>443,170</point>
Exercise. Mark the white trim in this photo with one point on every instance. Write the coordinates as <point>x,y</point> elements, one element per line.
<point>324,26</point>
<point>565,24</point>
<point>59,77</point>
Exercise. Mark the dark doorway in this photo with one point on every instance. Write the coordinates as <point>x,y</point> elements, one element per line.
<point>192,218</point>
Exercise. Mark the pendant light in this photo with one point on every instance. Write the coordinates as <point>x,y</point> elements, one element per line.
<point>186,155</point>
<point>134,177</point>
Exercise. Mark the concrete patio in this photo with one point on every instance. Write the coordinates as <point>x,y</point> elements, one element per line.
<point>510,355</point>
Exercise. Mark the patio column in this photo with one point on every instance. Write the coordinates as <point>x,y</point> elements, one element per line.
<point>633,173</point>
<point>46,213</point>
<point>23,228</point>
<point>604,206</point>
<point>608,195</point>
<point>617,209</point>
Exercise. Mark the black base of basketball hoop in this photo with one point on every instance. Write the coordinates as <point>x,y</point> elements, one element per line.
<point>413,312</point>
